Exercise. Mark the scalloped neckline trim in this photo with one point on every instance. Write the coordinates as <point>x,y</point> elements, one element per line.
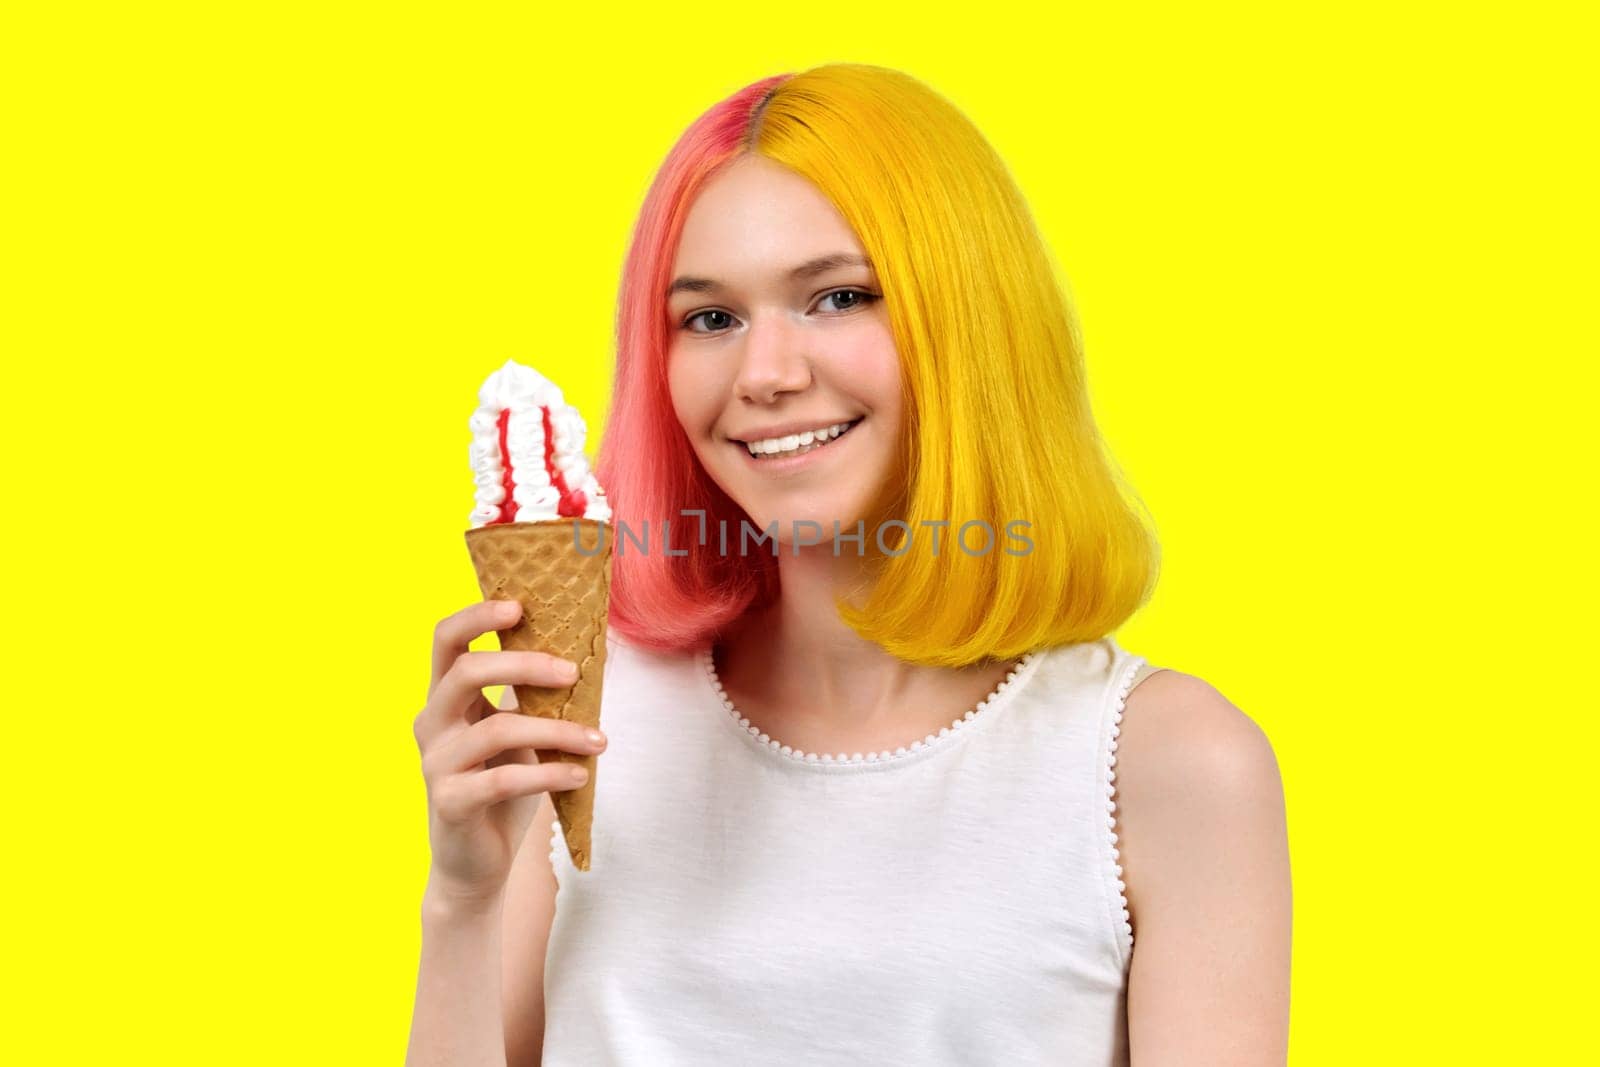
<point>984,711</point>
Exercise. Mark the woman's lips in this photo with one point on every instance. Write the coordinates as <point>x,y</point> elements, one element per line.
<point>800,458</point>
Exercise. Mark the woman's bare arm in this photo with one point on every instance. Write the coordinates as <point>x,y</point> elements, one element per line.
<point>457,1017</point>
<point>480,986</point>
<point>530,908</point>
<point>1205,856</point>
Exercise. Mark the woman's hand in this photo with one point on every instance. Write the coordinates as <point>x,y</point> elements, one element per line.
<point>483,774</point>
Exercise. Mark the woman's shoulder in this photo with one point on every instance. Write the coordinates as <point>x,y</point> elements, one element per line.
<point>1178,728</point>
<point>1191,766</point>
<point>1203,845</point>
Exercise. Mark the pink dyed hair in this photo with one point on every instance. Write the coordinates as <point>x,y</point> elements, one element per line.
<point>645,461</point>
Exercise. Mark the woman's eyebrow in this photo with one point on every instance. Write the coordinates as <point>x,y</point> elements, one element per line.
<point>811,267</point>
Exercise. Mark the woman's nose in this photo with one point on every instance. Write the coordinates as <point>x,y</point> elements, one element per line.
<point>774,360</point>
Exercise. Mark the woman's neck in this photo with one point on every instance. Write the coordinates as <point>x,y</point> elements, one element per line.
<point>797,671</point>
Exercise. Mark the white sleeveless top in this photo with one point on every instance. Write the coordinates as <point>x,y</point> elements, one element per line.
<point>955,902</point>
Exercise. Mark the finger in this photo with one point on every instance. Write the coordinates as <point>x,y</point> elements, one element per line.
<point>455,632</point>
<point>513,735</point>
<point>464,682</point>
<point>463,797</point>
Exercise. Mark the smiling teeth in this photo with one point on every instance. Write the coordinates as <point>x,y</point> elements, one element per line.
<point>774,446</point>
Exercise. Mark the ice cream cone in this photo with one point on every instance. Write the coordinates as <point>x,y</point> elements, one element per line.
<point>565,595</point>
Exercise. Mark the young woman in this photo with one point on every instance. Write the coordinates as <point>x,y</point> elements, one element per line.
<point>879,785</point>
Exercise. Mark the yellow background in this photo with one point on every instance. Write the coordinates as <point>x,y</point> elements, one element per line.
<point>1334,267</point>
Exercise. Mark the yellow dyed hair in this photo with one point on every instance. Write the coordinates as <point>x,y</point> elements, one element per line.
<point>999,426</point>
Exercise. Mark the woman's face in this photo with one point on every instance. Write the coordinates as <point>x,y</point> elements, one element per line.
<point>767,343</point>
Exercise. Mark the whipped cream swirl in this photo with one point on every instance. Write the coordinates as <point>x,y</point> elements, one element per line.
<point>545,475</point>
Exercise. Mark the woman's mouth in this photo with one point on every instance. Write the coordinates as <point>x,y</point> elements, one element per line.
<point>780,453</point>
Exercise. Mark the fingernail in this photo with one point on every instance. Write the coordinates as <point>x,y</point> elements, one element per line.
<point>509,608</point>
<point>569,671</point>
<point>578,773</point>
<point>596,737</point>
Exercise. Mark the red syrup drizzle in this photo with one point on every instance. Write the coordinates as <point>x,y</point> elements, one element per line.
<point>508,506</point>
<point>573,502</point>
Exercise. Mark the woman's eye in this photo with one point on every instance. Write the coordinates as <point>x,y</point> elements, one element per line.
<point>861,297</point>
<point>701,314</point>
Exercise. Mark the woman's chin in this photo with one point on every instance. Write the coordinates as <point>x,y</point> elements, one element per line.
<point>814,532</point>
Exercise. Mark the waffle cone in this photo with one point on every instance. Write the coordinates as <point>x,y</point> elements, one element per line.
<point>565,596</point>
